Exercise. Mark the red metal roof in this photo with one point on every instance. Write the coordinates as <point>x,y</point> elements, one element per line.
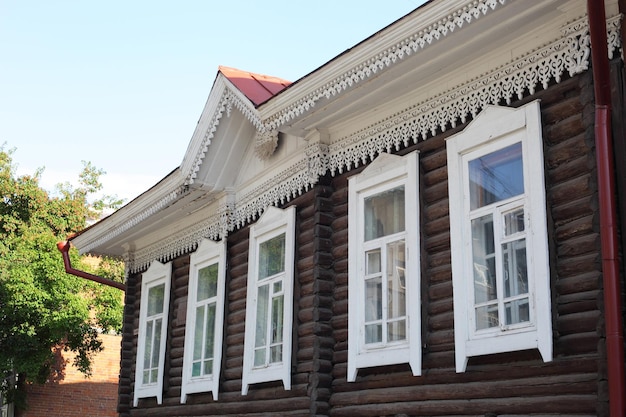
<point>257,87</point>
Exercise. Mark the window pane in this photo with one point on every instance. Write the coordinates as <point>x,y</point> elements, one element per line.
<point>147,353</point>
<point>487,316</point>
<point>514,222</point>
<point>209,344</point>
<point>198,334</point>
<point>483,259</point>
<point>261,316</point>
<point>496,176</point>
<point>396,331</point>
<point>277,319</point>
<point>156,348</point>
<point>373,299</point>
<point>272,256</point>
<point>396,285</point>
<point>259,356</point>
<point>517,311</point>
<point>196,369</point>
<point>373,262</point>
<point>155,299</point>
<point>208,367</point>
<point>276,353</point>
<point>373,333</point>
<point>207,282</point>
<point>515,271</point>
<point>384,213</point>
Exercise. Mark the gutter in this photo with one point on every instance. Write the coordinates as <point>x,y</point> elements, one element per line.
<point>607,208</point>
<point>64,248</point>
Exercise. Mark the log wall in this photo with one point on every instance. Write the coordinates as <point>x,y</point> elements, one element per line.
<point>517,383</point>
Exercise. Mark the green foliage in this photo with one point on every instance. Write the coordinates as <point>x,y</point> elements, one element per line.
<point>42,308</point>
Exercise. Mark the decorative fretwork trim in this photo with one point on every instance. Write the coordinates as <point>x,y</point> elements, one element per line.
<point>514,80</point>
<point>229,99</point>
<point>153,209</point>
<point>387,58</point>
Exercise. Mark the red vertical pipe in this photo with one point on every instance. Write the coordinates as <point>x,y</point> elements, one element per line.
<point>607,208</point>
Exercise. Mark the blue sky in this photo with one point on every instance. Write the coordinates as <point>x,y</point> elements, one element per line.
<point>122,83</point>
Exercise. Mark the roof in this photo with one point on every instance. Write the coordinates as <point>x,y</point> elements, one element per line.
<point>257,87</point>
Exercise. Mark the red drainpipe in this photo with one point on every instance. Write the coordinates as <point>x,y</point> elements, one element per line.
<point>607,208</point>
<point>64,248</point>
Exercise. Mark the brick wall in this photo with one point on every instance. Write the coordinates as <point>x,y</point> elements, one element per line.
<point>76,395</point>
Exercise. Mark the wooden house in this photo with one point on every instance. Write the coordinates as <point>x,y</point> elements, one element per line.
<point>426,225</point>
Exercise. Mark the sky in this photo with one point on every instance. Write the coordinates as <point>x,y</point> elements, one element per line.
<point>121,84</point>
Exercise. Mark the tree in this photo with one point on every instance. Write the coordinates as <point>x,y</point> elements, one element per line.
<point>43,309</point>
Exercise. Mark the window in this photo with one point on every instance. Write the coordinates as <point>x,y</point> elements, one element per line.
<point>384,277</point>
<point>205,317</point>
<point>498,234</point>
<point>155,295</point>
<point>269,307</point>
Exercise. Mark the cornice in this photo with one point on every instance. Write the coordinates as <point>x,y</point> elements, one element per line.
<point>520,77</point>
<point>383,59</point>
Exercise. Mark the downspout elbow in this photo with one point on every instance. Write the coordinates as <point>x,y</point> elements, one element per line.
<point>64,248</point>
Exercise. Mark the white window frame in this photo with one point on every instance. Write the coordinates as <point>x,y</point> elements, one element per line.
<point>157,274</point>
<point>208,253</point>
<point>272,223</point>
<point>496,128</point>
<point>384,173</point>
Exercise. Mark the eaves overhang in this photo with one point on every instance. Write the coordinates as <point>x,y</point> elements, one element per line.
<point>433,69</point>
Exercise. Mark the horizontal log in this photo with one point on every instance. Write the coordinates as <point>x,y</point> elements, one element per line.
<point>434,159</point>
<point>564,130</point>
<point>437,242</point>
<point>579,281</point>
<point>434,193</point>
<point>579,245</point>
<point>579,206</point>
<point>437,274</point>
<point>560,109</point>
<point>574,188</point>
<point>577,301</point>
<point>572,404</point>
<point>440,291</point>
<point>579,322</point>
<point>435,227</point>
<point>508,388</point>
<point>577,343</point>
<point>436,210</point>
<point>560,171</point>
<point>435,176</point>
<point>444,321</point>
<point>578,264</point>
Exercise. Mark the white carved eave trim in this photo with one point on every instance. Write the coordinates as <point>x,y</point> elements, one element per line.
<point>212,227</point>
<point>517,79</point>
<point>514,80</point>
<point>135,220</point>
<point>414,43</point>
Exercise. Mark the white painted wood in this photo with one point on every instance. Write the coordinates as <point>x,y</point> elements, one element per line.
<point>208,253</point>
<point>157,274</point>
<point>271,224</point>
<point>384,173</point>
<point>493,129</point>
